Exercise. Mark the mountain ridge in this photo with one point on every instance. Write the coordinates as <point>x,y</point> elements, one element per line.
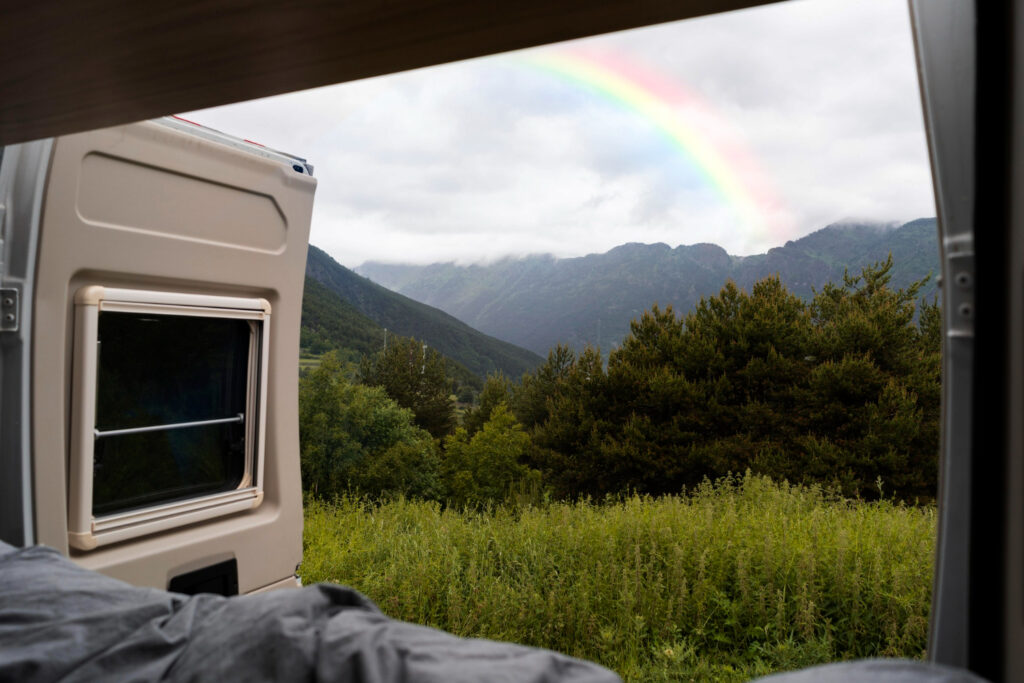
<point>537,301</point>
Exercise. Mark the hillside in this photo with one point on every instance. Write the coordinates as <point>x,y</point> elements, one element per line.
<point>329,322</point>
<point>538,301</point>
<point>366,302</point>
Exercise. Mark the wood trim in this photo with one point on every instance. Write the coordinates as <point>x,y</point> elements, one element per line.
<point>75,66</point>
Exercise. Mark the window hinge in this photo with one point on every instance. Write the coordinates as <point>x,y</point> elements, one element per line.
<point>9,309</point>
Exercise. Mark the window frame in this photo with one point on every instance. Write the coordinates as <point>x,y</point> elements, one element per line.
<point>87,530</point>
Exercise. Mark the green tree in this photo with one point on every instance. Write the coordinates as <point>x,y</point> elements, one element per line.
<point>530,398</point>
<point>874,393</point>
<point>568,442</point>
<point>497,390</point>
<point>483,468</point>
<point>844,389</point>
<point>416,377</point>
<point>355,437</point>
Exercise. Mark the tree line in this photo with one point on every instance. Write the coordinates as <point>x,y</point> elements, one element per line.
<point>842,390</point>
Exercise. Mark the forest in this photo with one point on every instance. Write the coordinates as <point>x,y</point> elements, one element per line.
<point>842,391</point>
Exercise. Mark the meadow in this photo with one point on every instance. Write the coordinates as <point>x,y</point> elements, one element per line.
<point>726,582</point>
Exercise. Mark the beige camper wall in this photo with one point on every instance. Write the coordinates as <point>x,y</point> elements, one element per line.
<point>145,206</point>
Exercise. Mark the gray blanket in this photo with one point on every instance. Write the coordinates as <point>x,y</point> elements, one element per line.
<point>61,622</point>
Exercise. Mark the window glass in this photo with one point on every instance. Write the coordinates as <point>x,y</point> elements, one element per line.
<point>156,372</point>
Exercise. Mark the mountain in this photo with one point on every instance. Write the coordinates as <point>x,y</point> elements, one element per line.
<point>538,301</point>
<point>364,301</point>
<point>329,323</point>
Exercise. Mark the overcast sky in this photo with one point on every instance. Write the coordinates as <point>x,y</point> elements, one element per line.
<point>809,108</point>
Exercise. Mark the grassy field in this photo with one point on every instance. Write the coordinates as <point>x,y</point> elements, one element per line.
<point>726,583</point>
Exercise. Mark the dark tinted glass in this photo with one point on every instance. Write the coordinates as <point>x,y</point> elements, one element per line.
<point>160,370</point>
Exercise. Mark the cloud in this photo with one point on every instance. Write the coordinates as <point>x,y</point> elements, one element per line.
<point>481,159</point>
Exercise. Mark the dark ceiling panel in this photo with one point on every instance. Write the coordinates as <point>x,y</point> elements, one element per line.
<point>83,64</point>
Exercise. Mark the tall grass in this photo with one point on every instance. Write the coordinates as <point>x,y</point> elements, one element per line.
<point>732,580</point>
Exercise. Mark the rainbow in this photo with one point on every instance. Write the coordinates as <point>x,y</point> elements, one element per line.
<point>687,121</point>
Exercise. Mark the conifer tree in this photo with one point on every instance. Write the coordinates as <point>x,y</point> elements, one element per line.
<point>842,390</point>
<point>497,390</point>
<point>415,376</point>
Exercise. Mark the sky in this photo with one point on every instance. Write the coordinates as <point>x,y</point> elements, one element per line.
<point>746,129</point>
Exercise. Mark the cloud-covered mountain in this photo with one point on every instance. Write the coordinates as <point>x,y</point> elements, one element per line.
<point>538,301</point>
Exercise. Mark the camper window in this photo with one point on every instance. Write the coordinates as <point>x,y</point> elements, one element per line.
<point>170,408</point>
<point>166,410</point>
